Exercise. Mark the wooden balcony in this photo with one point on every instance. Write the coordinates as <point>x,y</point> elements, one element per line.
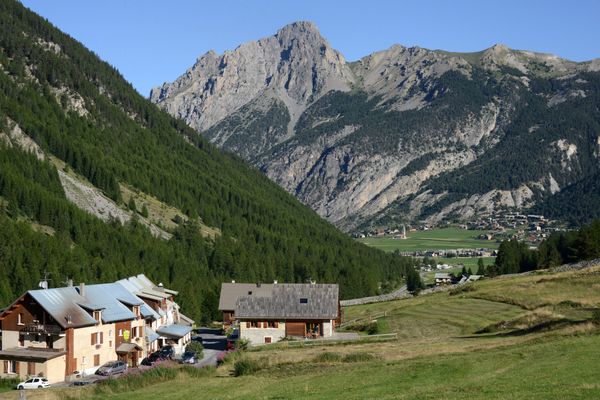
<point>41,329</point>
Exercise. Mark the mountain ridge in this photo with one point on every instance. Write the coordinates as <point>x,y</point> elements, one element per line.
<point>441,111</point>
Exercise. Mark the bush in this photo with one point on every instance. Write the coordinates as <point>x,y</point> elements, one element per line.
<point>9,383</point>
<point>328,357</point>
<point>197,347</point>
<point>358,357</point>
<point>133,382</point>
<point>462,289</point>
<point>242,344</point>
<point>245,366</point>
<point>596,316</point>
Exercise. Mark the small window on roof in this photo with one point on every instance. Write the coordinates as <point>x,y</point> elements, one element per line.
<point>249,292</point>
<point>303,300</point>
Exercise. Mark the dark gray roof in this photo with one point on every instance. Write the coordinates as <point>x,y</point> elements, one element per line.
<point>291,301</point>
<point>231,291</point>
<point>30,354</point>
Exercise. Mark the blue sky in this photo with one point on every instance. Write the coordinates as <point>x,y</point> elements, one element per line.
<point>153,41</point>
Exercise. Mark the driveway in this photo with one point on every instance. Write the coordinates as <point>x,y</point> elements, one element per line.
<point>214,343</point>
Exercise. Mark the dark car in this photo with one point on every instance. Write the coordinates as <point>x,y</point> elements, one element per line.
<point>152,358</point>
<point>166,352</point>
<point>189,357</point>
<point>84,382</point>
<point>112,368</point>
<point>197,339</point>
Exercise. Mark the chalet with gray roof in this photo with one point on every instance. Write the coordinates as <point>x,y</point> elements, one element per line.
<point>268,313</point>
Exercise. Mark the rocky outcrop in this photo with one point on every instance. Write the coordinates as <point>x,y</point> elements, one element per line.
<point>296,66</point>
<point>406,117</point>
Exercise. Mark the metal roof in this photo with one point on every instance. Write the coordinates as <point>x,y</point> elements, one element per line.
<point>115,300</point>
<point>63,305</point>
<point>148,312</point>
<point>141,284</point>
<point>174,330</point>
<point>442,275</point>
<point>151,335</point>
<point>292,301</point>
<point>127,348</point>
<point>231,291</point>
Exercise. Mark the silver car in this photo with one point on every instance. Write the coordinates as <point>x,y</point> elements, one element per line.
<point>112,368</point>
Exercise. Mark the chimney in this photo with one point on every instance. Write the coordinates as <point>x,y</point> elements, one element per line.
<point>275,282</point>
<point>258,284</point>
<point>232,281</point>
<point>70,282</point>
<point>82,289</point>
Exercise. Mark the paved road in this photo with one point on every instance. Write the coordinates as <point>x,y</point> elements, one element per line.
<point>214,343</point>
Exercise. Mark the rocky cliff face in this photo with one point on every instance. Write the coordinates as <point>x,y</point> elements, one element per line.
<point>403,134</point>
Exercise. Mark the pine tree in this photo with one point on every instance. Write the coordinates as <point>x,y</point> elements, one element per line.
<point>144,211</point>
<point>480,267</point>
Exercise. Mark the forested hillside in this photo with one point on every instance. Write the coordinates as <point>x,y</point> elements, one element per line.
<point>79,109</point>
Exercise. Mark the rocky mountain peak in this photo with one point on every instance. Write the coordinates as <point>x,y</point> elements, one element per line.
<point>295,66</point>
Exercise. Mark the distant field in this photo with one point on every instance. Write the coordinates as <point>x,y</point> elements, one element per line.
<point>434,239</point>
<point>468,262</point>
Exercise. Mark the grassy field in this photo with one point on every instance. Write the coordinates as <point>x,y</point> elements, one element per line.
<point>523,337</point>
<point>433,239</point>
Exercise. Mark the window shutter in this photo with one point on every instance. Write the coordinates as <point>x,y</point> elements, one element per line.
<point>248,324</point>
<point>93,340</point>
<point>6,367</point>
<point>276,324</point>
<point>17,364</point>
<point>101,337</point>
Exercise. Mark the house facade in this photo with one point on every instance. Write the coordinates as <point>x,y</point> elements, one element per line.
<point>61,332</point>
<point>269,313</point>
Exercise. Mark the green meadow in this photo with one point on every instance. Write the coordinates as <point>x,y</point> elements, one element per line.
<point>433,239</point>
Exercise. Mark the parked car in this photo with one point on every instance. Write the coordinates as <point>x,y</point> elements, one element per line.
<point>84,382</point>
<point>167,351</point>
<point>112,368</point>
<point>189,357</point>
<point>152,358</point>
<point>34,383</point>
<point>197,339</point>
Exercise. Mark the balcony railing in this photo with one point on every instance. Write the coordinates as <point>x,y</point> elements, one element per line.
<point>41,328</point>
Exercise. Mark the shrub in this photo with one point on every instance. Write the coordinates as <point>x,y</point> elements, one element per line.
<point>328,357</point>
<point>242,344</point>
<point>596,316</point>
<point>9,383</point>
<point>197,347</point>
<point>358,357</point>
<point>245,366</point>
<point>462,289</point>
<point>133,382</point>
<point>373,328</point>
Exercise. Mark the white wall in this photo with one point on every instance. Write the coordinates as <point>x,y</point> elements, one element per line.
<point>256,336</point>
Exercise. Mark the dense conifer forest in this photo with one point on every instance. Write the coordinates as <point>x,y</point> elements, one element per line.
<point>120,137</point>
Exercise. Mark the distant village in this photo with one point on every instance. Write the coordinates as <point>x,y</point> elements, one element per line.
<point>531,229</point>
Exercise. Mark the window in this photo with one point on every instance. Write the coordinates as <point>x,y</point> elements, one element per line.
<point>96,360</point>
<point>303,300</point>
<point>97,338</point>
<point>21,340</point>
<point>110,333</point>
<point>268,339</point>
<point>249,292</point>
<point>20,319</point>
<point>253,324</point>
<point>120,332</point>
<point>272,324</point>
<point>12,367</point>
